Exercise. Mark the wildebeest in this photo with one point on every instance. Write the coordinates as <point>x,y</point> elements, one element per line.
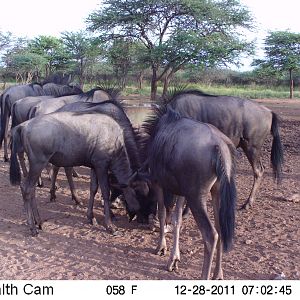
<point>30,107</point>
<point>59,90</point>
<point>189,159</point>
<point>20,109</point>
<point>68,139</point>
<point>95,95</point>
<point>15,93</point>
<point>115,110</point>
<point>8,97</point>
<point>245,122</point>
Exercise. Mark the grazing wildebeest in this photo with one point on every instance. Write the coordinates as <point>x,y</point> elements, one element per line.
<point>95,95</point>
<point>8,97</point>
<point>115,110</point>
<point>189,159</point>
<point>59,90</point>
<point>15,93</point>
<point>245,122</point>
<point>68,139</point>
<point>20,109</point>
<point>30,107</point>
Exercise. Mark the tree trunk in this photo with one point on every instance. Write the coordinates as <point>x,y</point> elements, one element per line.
<point>81,74</point>
<point>140,80</point>
<point>153,84</point>
<point>291,85</point>
<point>166,85</point>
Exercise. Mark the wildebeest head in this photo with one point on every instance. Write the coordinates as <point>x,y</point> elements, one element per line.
<point>142,186</point>
<point>138,196</point>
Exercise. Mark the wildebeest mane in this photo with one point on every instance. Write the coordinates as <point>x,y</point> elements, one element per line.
<point>161,116</point>
<point>114,102</point>
<point>111,92</point>
<point>184,91</point>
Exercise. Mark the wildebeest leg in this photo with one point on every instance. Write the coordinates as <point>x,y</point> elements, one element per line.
<point>53,180</point>
<point>102,177</point>
<point>253,155</point>
<point>175,255</point>
<point>68,171</point>
<point>36,214</point>
<point>28,192</point>
<point>209,233</point>
<point>22,163</point>
<point>215,193</point>
<point>93,192</point>
<point>162,244</point>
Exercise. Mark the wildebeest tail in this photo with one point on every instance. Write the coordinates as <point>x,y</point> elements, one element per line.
<point>1,99</point>
<point>14,170</point>
<point>4,113</point>
<point>228,195</point>
<point>277,149</point>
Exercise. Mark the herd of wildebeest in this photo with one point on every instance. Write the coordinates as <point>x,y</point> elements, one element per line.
<point>182,151</point>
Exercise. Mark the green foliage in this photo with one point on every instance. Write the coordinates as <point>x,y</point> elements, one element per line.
<point>282,50</point>
<point>176,32</point>
<point>243,91</point>
<point>25,65</point>
<point>83,51</point>
<point>54,52</point>
<point>5,40</point>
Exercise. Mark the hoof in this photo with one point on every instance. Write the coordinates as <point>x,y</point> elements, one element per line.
<point>34,232</point>
<point>161,251</point>
<point>52,199</point>
<point>218,277</point>
<point>75,174</point>
<point>111,230</point>
<point>246,206</point>
<point>173,265</point>
<point>118,233</point>
<point>77,202</point>
<point>40,184</point>
<point>94,222</point>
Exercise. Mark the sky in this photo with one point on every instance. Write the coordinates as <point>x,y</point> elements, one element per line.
<point>31,18</point>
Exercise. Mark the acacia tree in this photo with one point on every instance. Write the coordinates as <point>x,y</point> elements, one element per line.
<point>126,56</point>
<point>83,51</point>
<point>25,65</point>
<point>53,51</point>
<point>282,51</point>
<point>175,32</point>
<point>5,40</point>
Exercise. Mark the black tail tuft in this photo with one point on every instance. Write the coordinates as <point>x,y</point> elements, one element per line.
<point>14,170</point>
<point>3,120</point>
<point>228,196</point>
<point>277,149</point>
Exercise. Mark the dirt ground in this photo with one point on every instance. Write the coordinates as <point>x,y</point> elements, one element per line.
<point>266,241</point>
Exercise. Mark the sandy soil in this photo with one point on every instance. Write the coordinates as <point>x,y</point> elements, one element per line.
<point>266,242</point>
